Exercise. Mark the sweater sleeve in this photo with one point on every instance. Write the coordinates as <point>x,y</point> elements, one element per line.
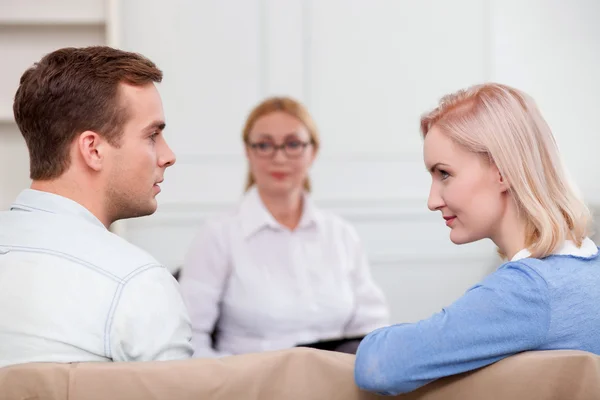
<point>505,314</point>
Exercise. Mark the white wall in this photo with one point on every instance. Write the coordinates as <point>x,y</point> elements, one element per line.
<point>551,48</point>
<point>366,70</point>
<point>28,30</point>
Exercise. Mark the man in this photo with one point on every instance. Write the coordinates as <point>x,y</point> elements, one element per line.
<point>70,290</point>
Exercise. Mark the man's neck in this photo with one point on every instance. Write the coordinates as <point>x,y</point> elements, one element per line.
<point>72,190</point>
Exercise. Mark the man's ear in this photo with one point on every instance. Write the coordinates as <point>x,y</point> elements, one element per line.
<point>92,148</point>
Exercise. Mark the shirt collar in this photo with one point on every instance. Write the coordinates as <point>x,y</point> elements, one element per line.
<point>255,215</point>
<point>36,200</point>
<point>569,248</point>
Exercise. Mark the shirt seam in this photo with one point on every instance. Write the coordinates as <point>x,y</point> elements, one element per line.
<point>29,208</point>
<point>115,302</point>
<point>66,256</point>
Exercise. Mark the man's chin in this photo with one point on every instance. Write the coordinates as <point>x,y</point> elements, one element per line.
<point>141,211</point>
<point>152,207</point>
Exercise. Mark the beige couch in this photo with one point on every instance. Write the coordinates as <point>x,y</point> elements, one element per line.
<point>296,374</point>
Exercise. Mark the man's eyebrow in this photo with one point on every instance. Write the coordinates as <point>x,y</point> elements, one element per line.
<point>160,125</point>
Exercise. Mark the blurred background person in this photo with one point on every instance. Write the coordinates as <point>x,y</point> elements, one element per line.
<point>278,271</point>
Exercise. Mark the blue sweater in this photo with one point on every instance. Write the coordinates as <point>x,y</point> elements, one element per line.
<point>530,304</point>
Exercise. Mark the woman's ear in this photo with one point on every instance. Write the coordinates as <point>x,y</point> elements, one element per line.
<point>503,183</point>
<point>315,151</point>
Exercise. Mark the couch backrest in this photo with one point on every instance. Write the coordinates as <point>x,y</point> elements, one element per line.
<point>299,373</point>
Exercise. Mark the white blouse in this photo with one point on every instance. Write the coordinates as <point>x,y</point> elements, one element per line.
<point>264,287</point>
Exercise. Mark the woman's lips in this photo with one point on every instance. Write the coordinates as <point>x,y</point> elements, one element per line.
<point>279,175</point>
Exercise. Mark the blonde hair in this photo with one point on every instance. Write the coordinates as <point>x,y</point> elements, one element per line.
<point>288,106</point>
<point>504,125</point>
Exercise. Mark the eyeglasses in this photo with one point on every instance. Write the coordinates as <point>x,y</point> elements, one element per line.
<point>291,148</point>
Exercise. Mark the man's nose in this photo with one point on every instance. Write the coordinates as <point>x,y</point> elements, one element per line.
<point>167,157</point>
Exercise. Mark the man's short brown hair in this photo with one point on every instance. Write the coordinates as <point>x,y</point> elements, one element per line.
<point>70,91</point>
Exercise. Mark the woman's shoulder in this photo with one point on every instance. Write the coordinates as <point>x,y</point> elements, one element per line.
<point>337,224</point>
<point>218,223</point>
<point>513,276</point>
<point>525,266</point>
<point>222,218</point>
<point>562,261</point>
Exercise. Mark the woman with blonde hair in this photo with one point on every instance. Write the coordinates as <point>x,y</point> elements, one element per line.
<point>496,174</point>
<point>278,271</point>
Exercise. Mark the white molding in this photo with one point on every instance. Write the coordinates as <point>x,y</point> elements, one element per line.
<point>7,120</point>
<point>281,40</point>
<point>488,262</point>
<point>324,157</point>
<point>34,13</point>
<point>393,259</point>
<point>488,43</point>
<point>263,47</point>
<point>356,210</point>
<point>112,23</point>
<point>113,39</point>
<point>64,22</point>
<point>306,53</point>
<point>179,220</point>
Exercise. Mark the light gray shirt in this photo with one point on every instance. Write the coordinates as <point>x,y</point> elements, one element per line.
<point>72,291</point>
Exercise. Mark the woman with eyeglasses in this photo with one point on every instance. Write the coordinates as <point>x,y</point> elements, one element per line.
<point>278,271</point>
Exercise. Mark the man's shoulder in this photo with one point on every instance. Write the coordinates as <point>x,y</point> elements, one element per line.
<point>125,256</point>
<point>74,239</point>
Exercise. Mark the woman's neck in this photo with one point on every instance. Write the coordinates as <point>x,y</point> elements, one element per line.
<point>286,208</point>
<point>510,236</point>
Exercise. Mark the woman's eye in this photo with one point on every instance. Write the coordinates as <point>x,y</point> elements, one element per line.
<point>264,145</point>
<point>293,144</point>
<point>444,174</point>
